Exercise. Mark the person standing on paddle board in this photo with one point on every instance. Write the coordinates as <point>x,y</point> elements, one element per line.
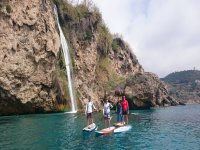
<point>106,112</point>
<point>125,109</point>
<point>119,111</point>
<point>88,111</point>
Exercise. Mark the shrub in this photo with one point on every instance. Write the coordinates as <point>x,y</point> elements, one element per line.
<point>105,40</point>
<point>82,11</point>
<point>136,79</point>
<point>115,45</point>
<point>61,108</point>
<point>107,77</point>
<point>8,9</point>
<point>88,34</point>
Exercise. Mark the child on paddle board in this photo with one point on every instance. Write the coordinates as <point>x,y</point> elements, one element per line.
<point>88,111</point>
<point>106,112</point>
<point>125,109</point>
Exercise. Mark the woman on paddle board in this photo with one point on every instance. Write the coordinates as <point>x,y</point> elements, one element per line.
<point>106,112</point>
<point>125,109</point>
<point>88,111</point>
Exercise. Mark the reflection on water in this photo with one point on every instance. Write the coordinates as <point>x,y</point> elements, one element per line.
<point>163,128</point>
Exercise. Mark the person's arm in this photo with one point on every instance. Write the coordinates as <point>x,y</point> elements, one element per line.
<point>111,106</point>
<point>94,106</point>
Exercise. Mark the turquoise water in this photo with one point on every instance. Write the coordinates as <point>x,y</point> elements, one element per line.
<point>170,128</point>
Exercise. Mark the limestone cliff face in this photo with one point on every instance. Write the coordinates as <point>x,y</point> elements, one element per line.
<point>104,65</point>
<point>29,46</point>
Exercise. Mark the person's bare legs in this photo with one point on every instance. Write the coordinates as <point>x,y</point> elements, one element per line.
<point>126,119</point>
<point>88,121</point>
<point>123,119</point>
<point>109,122</point>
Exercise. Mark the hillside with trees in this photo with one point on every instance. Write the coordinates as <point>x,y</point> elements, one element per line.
<point>184,86</point>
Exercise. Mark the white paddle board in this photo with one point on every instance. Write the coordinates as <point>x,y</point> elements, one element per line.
<point>90,128</point>
<point>122,129</point>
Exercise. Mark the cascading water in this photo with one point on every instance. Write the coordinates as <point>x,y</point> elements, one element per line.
<point>68,64</point>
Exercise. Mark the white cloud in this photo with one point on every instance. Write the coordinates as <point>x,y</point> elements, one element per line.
<point>165,35</point>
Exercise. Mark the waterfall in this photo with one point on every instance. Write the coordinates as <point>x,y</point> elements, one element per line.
<point>68,64</point>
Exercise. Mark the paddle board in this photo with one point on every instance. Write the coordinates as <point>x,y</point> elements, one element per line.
<point>135,113</point>
<point>122,129</point>
<point>105,131</point>
<point>118,124</point>
<point>90,128</point>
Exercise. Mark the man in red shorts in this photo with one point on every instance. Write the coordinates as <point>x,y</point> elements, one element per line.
<point>125,109</point>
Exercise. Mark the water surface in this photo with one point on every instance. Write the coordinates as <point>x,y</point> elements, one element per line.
<point>163,128</point>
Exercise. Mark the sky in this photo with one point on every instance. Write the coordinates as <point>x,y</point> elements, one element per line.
<point>164,34</point>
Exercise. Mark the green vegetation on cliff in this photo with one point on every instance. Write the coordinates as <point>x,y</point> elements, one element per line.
<point>81,22</point>
<point>106,75</point>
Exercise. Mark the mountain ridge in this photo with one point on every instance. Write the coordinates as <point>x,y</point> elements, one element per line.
<point>184,85</point>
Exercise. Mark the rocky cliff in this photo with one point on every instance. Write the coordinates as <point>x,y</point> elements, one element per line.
<point>32,75</point>
<point>29,46</point>
<point>146,90</point>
